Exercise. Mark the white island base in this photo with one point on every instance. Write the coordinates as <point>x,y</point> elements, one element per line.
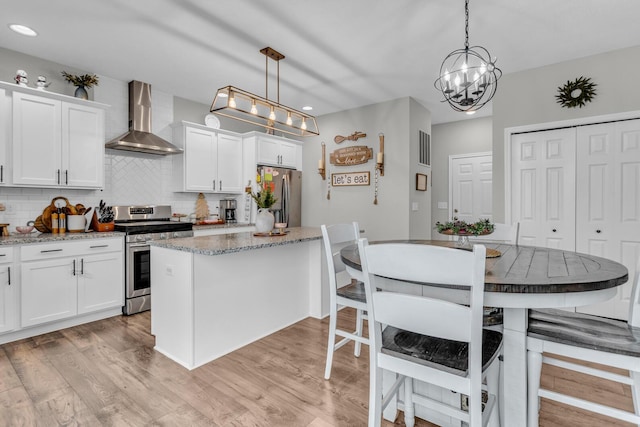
<point>205,306</point>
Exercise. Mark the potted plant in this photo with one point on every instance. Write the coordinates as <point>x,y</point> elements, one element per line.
<point>264,219</point>
<point>81,82</point>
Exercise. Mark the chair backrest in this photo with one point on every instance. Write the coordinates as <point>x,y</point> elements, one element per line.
<point>335,237</point>
<point>426,315</point>
<point>504,233</point>
<point>634,304</point>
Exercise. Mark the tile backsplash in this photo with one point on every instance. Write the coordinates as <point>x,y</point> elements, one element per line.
<point>130,178</point>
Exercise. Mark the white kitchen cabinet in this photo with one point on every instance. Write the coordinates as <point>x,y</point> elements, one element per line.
<point>57,143</point>
<point>276,151</point>
<point>211,162</point>
<point>63,279</point>
<point>5,138</point>
<point>8,288</point>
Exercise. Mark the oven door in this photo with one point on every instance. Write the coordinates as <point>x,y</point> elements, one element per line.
<point>138,270</point>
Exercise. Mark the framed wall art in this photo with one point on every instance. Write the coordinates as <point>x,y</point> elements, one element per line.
<point>421,182</point>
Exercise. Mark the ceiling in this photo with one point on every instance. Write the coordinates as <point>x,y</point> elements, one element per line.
<point>340,54</point>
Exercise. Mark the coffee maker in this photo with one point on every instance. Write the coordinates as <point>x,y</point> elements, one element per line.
<point>228,210</point>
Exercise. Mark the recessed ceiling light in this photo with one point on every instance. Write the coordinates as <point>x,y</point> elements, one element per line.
<point>307,108</point>
<point>23,29</point>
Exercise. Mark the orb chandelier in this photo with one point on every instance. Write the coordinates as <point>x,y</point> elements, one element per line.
<point>468,77</point>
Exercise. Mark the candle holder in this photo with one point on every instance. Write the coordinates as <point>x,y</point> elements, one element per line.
<point>321,164</point>
<point>380,157</point>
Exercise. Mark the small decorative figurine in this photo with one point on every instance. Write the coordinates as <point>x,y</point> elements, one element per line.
<point>42,84</point>
<point>21,78</point>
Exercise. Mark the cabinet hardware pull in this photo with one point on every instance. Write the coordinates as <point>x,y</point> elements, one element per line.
<point>58,176</point>
<point>74,267</point>
<point>51,250</point>
<point>214,185</point>
<point>3,254</point>
<point>9,275</point>
<point>1,173</point>
<point>554,230</point>
<point>598,231</point>
<point>82,266</point>
<point>98,246</point>
<point>220,185</point>
<point>66,177</point>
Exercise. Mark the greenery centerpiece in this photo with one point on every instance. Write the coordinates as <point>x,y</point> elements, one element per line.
<point>81,82</point>
<point>264,218</point>
<point>463,229</point>
<point>264,199</point>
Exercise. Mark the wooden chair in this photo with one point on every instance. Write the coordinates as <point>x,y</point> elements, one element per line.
<point>588,338</point>
<point>335,237</point>
<point>429,339</point>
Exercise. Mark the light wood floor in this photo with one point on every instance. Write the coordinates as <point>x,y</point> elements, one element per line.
<point>107,373</point>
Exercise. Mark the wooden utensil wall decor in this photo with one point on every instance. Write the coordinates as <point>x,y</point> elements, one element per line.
<point>353,137</point>
<point>349,156</point>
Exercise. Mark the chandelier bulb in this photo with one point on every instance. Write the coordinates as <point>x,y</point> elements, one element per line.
<point>232,100</point>
<point>303,126</point>
<point>447,76</point>
<point>272,114</point>
<point>254,109</point>
<point>464,67</point>
<point>457,80</point>
<point>289,121</point>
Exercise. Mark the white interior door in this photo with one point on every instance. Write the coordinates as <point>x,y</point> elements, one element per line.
<point>470,177</point>
<point>608,202</point>
<point>543,187</point>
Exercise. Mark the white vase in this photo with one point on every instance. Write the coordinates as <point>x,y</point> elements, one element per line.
<point>264,221</point>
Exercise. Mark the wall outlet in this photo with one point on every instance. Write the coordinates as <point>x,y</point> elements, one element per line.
<point>414,206</point>
<point>169,270</point>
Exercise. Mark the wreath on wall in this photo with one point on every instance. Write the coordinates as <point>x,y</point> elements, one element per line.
<point>576,93</point>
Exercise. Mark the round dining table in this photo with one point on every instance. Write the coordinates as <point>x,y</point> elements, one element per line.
<point>518,278</point>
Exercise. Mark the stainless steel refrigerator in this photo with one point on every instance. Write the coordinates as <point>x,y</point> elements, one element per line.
<point>286,185</point>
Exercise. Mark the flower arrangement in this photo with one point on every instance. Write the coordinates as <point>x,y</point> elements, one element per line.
<point>86,80</point>
<point>264,199</point>
<point>457,227</point>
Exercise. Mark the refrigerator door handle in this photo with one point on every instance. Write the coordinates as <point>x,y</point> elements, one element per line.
<point>286,194</point>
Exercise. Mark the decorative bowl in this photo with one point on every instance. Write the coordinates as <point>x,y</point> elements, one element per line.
<point>24,229</point>
<point>280,225</point>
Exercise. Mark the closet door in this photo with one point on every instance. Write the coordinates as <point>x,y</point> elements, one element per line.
<point>543,187</point>
<point>608,202</point>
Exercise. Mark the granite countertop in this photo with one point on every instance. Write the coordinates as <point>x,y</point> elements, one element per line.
<point>238,242</point>
<point>24,239</point>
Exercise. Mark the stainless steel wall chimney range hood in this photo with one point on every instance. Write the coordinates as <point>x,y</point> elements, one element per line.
<point>139,138</point>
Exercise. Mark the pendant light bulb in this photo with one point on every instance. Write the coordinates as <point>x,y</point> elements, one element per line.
<point>254,109</point>
<point>289,120</point>
<point>303,126</point>
<point>232,100</point>
<point>272,114</point>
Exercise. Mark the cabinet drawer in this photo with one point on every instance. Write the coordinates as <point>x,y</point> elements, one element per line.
<point>69,248</point>
<point>6,254</point>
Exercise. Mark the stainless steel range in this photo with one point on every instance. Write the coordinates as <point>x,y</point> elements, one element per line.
<point>141,225</point>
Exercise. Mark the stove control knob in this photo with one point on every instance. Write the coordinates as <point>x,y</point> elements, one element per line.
<point>177,234</point>
<point>139,239</point>
<point>163,236</point>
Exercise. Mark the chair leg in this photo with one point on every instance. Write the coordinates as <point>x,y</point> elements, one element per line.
<point>375,394</point>
<point>331,344</point>
<point>635,390</point>
<point>493,386</point>
<point>358,332</point>
<point>409,409</point>
<point>534,370</point>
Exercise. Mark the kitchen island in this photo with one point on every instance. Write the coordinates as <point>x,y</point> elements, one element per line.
<point>214,294</point>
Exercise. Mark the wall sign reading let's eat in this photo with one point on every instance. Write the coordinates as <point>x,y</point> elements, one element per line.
<point>350,178</point>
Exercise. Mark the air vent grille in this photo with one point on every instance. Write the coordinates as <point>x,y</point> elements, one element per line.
<point>424,147</point>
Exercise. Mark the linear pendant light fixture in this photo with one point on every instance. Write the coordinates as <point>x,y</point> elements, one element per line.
<point>468,77</point>
<point>245,106</point>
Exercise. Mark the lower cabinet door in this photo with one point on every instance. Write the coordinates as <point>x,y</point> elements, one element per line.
<point>48,291</point>
<point>7,298</point>
<point>100,282</point>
